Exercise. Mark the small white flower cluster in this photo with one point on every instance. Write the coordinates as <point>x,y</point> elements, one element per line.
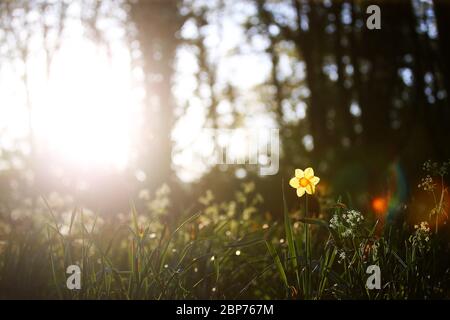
<point>421,236</point>
<point>436,168</point>
<point>422,228</point>
<point>160,205</point>
<point>342,257</point>
<point>347,224</point>
<point>427,184</point>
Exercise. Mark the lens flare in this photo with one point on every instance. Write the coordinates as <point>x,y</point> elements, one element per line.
<point>380,205</point>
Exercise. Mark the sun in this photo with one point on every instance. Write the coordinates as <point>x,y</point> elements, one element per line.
<point>86,112</point>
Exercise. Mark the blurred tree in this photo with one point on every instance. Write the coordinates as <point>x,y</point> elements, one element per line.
<point>375,96</point>
<point>443,16</point>
<point>157,23</point>
<point>362,99</point>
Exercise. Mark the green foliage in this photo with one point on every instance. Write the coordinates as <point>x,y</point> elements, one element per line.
<point>217,250</point>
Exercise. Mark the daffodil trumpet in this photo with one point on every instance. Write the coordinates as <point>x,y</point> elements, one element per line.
<point>304,181</point>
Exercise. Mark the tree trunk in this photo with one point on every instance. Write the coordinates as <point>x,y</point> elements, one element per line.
<point>157,22</point>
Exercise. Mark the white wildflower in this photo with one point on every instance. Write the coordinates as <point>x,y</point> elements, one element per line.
<point>421,236</point>
<point>347,224</point>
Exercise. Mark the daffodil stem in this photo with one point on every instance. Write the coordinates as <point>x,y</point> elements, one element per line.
<point>308,251</point>
<point>306,206</point>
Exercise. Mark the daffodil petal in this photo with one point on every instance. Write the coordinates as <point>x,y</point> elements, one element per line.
<point>314,180</point>
<point>309,173</point>
<point>294,182</point>
<point>300,191</point>
<point>299,173</point>
<point>309,188</point>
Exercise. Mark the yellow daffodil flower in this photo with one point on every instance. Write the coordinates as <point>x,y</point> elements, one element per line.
<point>304,181</point>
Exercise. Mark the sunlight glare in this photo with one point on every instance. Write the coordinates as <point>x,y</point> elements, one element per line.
<point>85,113</point>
